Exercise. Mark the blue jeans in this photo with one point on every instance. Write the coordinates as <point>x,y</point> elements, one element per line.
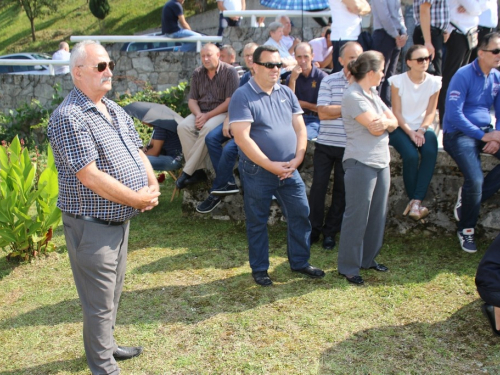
<point>223,158</point>
<point>312,126</point>
<point>164,163</point>
<point>260,186</point>
<point>476,188</point>
<point>184,33</point>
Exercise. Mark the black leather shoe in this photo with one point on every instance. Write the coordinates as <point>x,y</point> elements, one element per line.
<point>262,278</point>
<point>380,268</point>
<point>489,312</point>
<point>198,176</point>
<point>181,181</point>
<point>311,271</point>
<point>328,243</point>
<point>357,280</point>
<point>123,353</point>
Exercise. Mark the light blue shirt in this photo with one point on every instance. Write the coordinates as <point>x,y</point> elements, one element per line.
<point>387,15</point>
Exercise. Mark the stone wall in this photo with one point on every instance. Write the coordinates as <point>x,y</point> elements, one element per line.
<point>441,198</point>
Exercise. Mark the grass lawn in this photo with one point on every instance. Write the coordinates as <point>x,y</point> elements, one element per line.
<point>190,300</point>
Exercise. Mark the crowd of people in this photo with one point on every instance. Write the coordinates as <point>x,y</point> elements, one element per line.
<point>352,115</point>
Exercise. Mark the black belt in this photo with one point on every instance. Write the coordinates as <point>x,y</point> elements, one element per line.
<point>96,220</point>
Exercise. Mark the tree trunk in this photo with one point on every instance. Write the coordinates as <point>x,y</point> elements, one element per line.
<point>32,21</point>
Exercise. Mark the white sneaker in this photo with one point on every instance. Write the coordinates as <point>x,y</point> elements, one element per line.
<point>466,238</point>
<point>458,206</point>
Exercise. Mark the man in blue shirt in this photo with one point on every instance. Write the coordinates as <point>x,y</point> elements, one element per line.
<point>266,122</point>
<point>473,90</point>
<point>172,18</point>
<point>304,81</point>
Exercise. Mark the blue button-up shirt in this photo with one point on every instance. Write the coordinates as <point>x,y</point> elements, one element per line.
<point>80,134</point>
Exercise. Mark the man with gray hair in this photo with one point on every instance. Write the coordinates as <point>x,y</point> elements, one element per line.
<point>287,40</point>
<point>104,180</point>
<point>62,54</point>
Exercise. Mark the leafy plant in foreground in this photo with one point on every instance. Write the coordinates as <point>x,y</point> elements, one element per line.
<point>21,191</point>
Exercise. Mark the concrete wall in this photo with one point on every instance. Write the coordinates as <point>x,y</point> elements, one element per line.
<point>441,198</point>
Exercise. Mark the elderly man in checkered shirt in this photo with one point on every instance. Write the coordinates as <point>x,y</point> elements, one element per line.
<point>104,180</point>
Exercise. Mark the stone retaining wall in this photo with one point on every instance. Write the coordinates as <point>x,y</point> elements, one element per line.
<point>441,199</point>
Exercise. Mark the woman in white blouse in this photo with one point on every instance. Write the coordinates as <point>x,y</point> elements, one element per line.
<point>414,97</point>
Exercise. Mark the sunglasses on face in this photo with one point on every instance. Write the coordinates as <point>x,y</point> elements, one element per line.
<point>269,65</point>
<point>495,51</point>
<point>420,60</point>
<point>101,67</point>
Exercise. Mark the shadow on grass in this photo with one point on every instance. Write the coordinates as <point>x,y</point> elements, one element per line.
<point>152,19</point>
<point>411,348</point>
<point>189,304</point>
<point>70,365</point>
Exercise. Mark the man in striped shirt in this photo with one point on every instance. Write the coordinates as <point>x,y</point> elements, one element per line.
<point>212,86</point>
<point>329,152</point>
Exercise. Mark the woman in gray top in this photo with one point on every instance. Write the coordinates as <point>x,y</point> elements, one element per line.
<point>367,121</point>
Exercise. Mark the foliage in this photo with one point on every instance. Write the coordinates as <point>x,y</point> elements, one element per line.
<point>30,121</point>
<point>21,189</point>
<point>37,8</point>
<point>173,97</point>
<point>99,8</point>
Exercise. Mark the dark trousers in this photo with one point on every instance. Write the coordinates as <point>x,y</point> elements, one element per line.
<point>437,42</point>
<point>386,44</point>
<point>457,55</point>
<point>482,31</point>
<point>364,39</point>
<point>487,275</point>
<point>325,159</point>
<point>225,22</point>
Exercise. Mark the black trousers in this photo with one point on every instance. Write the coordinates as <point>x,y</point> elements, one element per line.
<point>386,45</point>
<point>488,275</point>
<point>437,41</point>
<point>482,31</point>
<point>457,55</point>
<point>326,159</point>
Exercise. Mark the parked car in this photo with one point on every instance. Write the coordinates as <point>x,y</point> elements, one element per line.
<point>26,69</point>
<point>152,46</point>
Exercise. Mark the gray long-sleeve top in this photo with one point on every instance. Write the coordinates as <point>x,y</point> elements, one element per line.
<point>387,15</point>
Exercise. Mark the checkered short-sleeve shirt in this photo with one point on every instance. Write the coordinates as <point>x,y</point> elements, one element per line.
<point>80,134</point>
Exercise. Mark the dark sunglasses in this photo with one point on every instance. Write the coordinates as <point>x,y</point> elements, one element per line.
<point>269,65</point>
<point>495,51</point>
<point>101,67</point>
<point>420,60</point>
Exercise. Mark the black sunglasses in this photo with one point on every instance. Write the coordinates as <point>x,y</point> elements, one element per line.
<point>269,65</point>
<point>495,51</point>
<point>420,60</point>
<point>101,67</point>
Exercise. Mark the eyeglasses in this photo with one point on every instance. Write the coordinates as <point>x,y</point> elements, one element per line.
<point>420,60</point>
<point>101,67</point>
<point>495,51</point>
<point>269,65</point>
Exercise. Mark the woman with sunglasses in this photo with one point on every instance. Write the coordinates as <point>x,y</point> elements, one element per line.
<point>367,121</point>
<point>414,97</point>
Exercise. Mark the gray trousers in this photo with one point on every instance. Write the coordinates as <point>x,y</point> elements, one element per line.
<point>362,233</point>
<point>98,257</point>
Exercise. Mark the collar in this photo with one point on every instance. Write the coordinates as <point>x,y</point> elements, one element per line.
<point>216,69</point>
<point>255,87</point>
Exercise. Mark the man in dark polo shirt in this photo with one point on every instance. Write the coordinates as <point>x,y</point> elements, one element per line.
<point>174,24</point>
<point>267,125</point>
<point>104,180</point>
<point>304,81</point>
<point>212,86</point>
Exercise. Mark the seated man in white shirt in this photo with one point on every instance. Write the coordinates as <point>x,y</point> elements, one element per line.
<point>323,49</point>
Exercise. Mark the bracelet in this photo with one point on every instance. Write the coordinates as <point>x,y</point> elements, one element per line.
<point>423,129</point>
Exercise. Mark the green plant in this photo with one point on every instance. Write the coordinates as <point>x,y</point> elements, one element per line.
<point>22,190</point>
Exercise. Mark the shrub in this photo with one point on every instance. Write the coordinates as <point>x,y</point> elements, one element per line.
<point>22,190</point>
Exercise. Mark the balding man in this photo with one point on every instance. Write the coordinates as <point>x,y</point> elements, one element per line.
<point>104,180</point>
<point>304,82</point>
<point>62,54</point>
<point>287,40</point>
<point>212,86</point>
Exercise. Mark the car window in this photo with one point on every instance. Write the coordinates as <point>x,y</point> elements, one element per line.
<point>5,69</point>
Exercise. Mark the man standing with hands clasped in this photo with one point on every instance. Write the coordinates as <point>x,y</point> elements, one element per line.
<point>104,180</point>
<point>267,125</point>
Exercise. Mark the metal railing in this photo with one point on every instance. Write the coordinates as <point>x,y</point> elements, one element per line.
<point>26,62</point>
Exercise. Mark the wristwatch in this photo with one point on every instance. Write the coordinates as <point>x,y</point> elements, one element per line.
<point>423,129</point>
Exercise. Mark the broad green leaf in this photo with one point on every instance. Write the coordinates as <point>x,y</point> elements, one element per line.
<point>8,234</point>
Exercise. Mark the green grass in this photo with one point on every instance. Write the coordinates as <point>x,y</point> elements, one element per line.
<point>74,18</point>
<point>189,299</point>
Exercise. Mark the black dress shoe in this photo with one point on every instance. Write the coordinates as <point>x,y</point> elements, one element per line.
<point>357,280</point>
<point>380,268</point>
<point>311,271</point>
<point>262,278</point>
<point>123,353</point>
<point>328,243</point>
<point>489,312</point>
<point>198,176</point>
<point>181,181</point>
